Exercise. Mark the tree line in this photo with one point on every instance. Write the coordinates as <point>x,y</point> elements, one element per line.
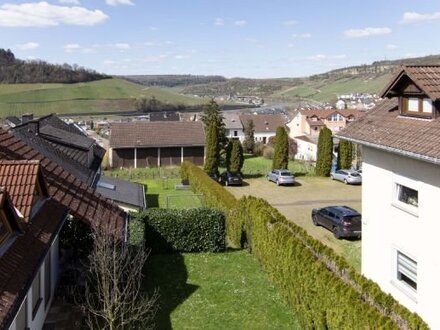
<point>16,71</point>
<point>173,80</point>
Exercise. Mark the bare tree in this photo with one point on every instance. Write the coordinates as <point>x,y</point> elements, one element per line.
<point>114,298</point>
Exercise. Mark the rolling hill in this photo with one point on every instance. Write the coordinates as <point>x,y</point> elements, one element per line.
<point>97,96</point>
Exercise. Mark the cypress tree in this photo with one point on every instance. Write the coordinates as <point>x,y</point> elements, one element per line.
<point>237,158</point>
<point>212,115</point>
<point>325,153</point>
<point>281,153</point>
<point>249,140</point>
<point>212,149</point>
<point>345,154</point>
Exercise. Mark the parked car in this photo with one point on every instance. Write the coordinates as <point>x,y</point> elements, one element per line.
<point>359,172</point>
<point>214,176</point>
<point>342,221</point>
<point>347,176</point>
<point>231,179</point>
<point>281,177</point>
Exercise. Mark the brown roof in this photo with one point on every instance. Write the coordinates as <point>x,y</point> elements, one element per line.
<point>384,128</point>
<point>20,178</point>
<point>264,123</point>
<point>21,261</point>
<point>426,77</point>
<point>157,134</point>
<point>232,120</point>
<point>306,138</point>
<point>318,122</point>
<point>325,113</point>
<point>83,202</point>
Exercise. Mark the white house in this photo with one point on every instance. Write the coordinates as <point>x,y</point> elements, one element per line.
<point>265,126</point>
<point>233,126</point>
<point>307,148</point>
<point>401,189</point>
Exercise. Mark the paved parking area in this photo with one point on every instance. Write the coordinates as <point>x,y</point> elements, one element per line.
<point>297,202</point>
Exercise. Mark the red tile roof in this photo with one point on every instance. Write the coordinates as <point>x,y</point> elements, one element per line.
<point>83,202</point>
<point>426,77</point>
<point>384,128</point>
<point>21,179</point>
<point>157,134</point>
<point>21,261</point>
<point>325,113</point>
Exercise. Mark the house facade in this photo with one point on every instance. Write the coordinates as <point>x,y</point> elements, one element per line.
<point>265,126</point>
<point>30,224</point>
<point>307,148</point>
<point>233,126</point>
<point>401,186</point>
<point>156,144</point>
<point>310,122</point>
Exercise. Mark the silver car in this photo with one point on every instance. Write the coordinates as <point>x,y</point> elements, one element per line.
<point>281,177</point>
<point>347,176</point>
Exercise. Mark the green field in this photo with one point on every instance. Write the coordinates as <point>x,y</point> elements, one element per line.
<point>216,291</point>
<point>96,96</point>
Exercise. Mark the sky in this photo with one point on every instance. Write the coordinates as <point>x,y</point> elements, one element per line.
<point>232,38</point>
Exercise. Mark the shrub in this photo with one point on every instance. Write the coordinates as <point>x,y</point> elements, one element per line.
<point>268,152</point>
<point>184,230</point>
<point>325,153</point>
<point>258,148</point>
<point>281,153</point>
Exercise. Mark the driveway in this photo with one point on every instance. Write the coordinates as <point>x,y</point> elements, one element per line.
<point>297,202</point>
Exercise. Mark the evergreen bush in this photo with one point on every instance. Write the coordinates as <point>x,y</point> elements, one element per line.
<point>281,149</point>
<point>325,153</point>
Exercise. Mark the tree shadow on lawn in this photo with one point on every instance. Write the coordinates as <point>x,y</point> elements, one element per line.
<point>168,274</point>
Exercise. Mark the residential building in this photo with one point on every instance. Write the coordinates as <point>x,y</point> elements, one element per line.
<point>233,126</point>
<point>30,223</point>
<point>155,144</point>
<point>401,188</point>
<point>311,121</point>
<point>307,147</point>
<point>265,126</point>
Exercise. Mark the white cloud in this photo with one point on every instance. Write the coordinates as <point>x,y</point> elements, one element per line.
<point>391,47</point>
<point>181,57</point>
<point>28,46</point>
<point>219,21</point>
<point>290,22</point>
<point>413,17</point>
<point>323,57</point>
<point>119,2</point>
<point>121,46</point>
<point>70,48</point>
<point>301,36</point>
<point>70,2</point>
<point>367,32</point>
<point>240,22</point>
<point>41,14</point>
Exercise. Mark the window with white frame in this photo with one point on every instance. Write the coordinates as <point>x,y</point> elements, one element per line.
<point>406,271</point>
<point>406,194</point>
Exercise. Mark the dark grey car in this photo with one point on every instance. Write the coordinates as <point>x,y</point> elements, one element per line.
<point>342,221</point>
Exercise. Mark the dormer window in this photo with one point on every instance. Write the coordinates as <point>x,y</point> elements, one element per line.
<point>416,106</point>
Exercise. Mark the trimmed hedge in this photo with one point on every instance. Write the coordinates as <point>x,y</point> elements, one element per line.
<point>215,195</point>
<point>323,290</point>
<point>184,230</point>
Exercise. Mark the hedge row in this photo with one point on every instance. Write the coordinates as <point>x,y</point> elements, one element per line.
<point>215,195</point>
<point>323,290</point>
<point>183,230</point>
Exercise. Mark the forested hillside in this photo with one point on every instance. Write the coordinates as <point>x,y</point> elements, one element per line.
<point>169,80</point>
<point>16,71</point>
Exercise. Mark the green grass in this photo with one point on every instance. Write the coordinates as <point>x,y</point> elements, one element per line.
<point>255,166</point>
<point>216,291</point>
<point>96,96</point>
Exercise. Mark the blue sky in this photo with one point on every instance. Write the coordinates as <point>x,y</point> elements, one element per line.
<point>234,38</point>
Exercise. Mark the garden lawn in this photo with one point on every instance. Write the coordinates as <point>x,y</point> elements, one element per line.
<point>255,166</point>
<point>216,291</point>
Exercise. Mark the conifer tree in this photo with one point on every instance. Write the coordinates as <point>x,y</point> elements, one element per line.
<point>345,154</point>
<point>212,149</point>
<point>325,153</point>
<point>249,140</point>
<point>237,159</point>
<point>281,153</point>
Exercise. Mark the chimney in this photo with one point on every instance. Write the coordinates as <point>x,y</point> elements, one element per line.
<point>27,117</point>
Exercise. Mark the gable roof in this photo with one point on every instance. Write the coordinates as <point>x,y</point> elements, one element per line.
<point>65,144</point>
<point>22,259</point>
<point>426,77</point>
<point>83,202</point>
<point>264,123</point>
<point>122,191</point>
<point>157,134</point>
<point>21,178</point>
<point>385,129</point>
<point>232,120</point>
<point>325,113</point>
